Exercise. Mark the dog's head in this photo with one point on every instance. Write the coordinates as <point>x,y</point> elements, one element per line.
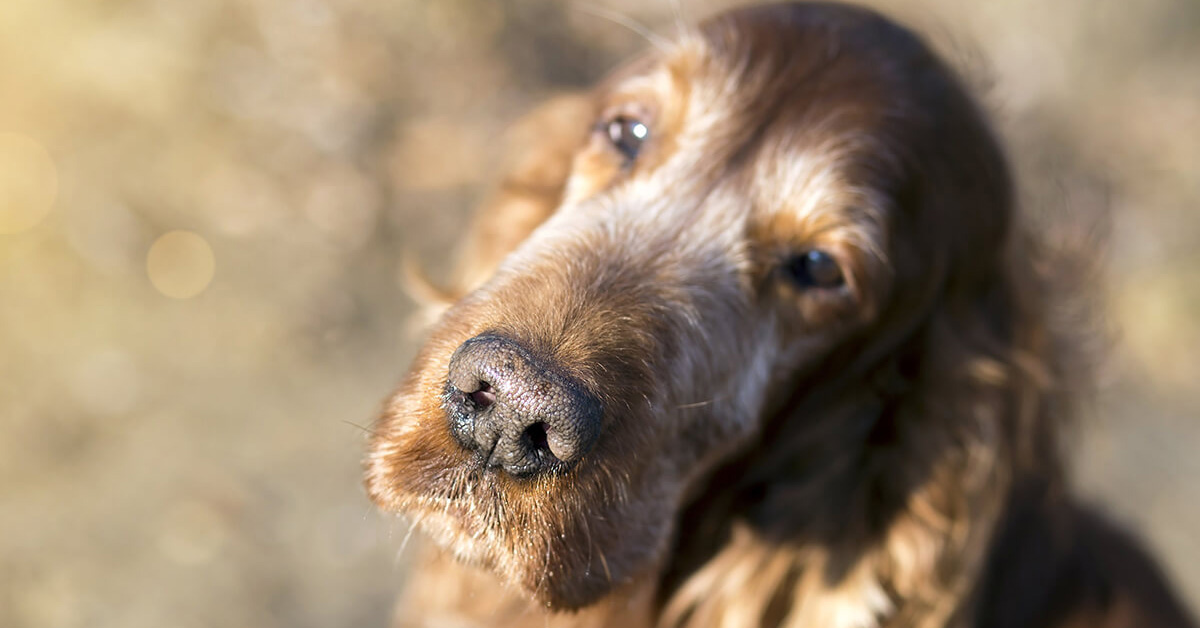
<point>773,203</point>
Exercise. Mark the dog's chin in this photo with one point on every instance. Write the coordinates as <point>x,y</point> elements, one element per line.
<point>551,565</point>
<point>548,541</point>
<point>558,541</point>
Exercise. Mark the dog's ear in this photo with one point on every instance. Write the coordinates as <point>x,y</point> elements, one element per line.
<point>536,162</point>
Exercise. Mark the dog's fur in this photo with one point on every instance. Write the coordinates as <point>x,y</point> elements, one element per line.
<point>880,454</point>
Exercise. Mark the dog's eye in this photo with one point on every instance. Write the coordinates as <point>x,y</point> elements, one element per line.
<point>627,135</point>
<point>814,269</point>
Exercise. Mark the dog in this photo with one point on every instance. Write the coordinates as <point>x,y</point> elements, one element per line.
<point>753,335</point>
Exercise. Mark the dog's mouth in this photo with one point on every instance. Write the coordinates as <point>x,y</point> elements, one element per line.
<point>563,532</point>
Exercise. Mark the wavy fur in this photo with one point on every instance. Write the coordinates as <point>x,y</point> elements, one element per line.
<point>885,454</point>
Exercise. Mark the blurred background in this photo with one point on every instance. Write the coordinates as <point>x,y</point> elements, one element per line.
<point>203,211</point>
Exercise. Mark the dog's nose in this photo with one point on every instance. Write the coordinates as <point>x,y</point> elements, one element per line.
<point>518,411</point>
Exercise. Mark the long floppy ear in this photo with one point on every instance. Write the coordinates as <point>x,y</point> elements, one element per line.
<point>537,160</point>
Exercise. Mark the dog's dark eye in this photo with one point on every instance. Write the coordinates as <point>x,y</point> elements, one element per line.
<point>814,269</point>
<point>627,135</point>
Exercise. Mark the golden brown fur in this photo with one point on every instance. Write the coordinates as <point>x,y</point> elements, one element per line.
<point>880,451</point>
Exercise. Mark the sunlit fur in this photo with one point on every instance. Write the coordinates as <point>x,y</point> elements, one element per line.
<point>772,454</point>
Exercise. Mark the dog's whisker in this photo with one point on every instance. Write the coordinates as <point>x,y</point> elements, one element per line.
<point>658,41</point>
<point>697,404</point>
<point>366,430</point>
<point>607,571</point>
<point>545,572</point>
<point>681,28</point>
<point>412,527</point>
<point>587,530</point>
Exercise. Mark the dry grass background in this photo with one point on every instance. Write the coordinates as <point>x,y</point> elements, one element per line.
<point>177,410</point>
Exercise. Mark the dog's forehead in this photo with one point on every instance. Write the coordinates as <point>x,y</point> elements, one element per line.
<point>796,149</point>
<point>807,176</point>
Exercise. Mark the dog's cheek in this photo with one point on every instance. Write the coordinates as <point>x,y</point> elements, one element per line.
<point>735,407</point>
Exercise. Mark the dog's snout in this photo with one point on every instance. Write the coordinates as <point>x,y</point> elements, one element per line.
<point>519,412</point>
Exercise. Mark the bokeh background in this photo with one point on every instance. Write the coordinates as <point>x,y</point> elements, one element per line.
<point>204,207</point>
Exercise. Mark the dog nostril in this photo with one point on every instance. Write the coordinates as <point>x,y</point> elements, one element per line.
<point>484,397</point>
<point>538,437</point>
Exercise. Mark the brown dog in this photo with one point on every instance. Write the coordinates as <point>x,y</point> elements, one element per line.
<point>751,337</point>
